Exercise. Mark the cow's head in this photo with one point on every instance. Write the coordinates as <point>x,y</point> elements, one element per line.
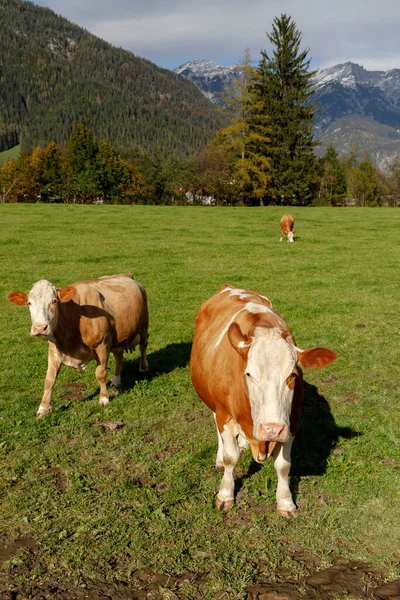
<point>290,236</point>
<point>43,302</point>
<point>271,368</point>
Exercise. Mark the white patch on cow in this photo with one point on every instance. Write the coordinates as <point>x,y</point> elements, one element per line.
<point>270,361</point>
<point>227,289</point>
<point>225,329</point>
<point>243,344</point>
<point>219,461</point>
<point>255,308</point>
<point>231,455</point>
<point>285,504</point>
<point>243,294</point>
<point>40,298</point>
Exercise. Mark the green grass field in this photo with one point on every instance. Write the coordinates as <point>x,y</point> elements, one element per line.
<point>94,506</point>
<point>13,153</point>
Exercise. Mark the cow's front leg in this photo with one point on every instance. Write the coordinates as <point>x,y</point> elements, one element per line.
<point>285,504</point>
<point>102,354</point>
<point>53,368</point>
<point>119,359</point>
<point>225,497</point>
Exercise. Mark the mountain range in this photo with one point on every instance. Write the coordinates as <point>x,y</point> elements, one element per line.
<point>356,107</point>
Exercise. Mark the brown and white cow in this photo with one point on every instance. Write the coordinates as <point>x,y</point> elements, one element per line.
<point>287,223</point>
<point>247,369</point>
<point>84,322</point>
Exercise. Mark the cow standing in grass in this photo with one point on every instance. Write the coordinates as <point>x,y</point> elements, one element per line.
<point>86,321</point>
<point>246,368</point>
<point>287,223</point>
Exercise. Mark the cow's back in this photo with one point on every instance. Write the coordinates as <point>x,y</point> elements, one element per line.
<point>287,222</point>
<point>111,308</point>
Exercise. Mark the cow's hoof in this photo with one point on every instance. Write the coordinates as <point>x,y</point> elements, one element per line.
<point>43,412</point>
<point>289,514</point>
<point>104,401</point>
<point>224,505</point>
<point>144,370</point>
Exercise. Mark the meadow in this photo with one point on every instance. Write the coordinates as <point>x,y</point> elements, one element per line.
<point>84,508</point>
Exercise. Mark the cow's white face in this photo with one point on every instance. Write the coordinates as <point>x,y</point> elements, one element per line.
<point>270,380</point>
<point>290,236</point>
<point>43,306</point>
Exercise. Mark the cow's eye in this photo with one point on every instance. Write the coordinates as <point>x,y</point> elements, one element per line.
<point>53,302</point>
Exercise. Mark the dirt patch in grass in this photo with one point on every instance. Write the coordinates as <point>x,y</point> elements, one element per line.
<point>347,579</point>
<point>349,398</point>
<point>74,391</point>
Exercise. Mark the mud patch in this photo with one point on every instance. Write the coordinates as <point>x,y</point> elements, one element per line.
<point>74,391</point>
<point>347,579</point>
<point>7,552</point>
<point>389,462</point>
<point>349,398</point>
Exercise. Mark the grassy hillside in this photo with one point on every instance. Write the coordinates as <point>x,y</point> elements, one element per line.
<point>13,153</point>
<point>87,510</point>
<point>55,74</point>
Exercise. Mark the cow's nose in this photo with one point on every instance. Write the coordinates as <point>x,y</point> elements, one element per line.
<point>272,432</point>
<point>41,329</point>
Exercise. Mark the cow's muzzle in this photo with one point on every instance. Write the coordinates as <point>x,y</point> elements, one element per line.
<point>272,432</point>
<point>41,329</point>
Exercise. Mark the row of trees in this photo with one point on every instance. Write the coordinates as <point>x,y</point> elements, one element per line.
<point>265,155</point>
<point>86,171</point>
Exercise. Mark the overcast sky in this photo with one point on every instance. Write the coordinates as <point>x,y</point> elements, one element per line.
<point>172,32</point>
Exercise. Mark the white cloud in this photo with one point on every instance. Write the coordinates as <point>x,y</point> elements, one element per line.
<point>171,32</point>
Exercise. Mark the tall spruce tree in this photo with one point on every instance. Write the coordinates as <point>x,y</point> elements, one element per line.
<point>281,110</point>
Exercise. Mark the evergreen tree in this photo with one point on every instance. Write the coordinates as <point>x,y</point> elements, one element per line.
<point>281,110</point>
<point>245,139</point>
<point>365,187</point>
<point>333,182</point>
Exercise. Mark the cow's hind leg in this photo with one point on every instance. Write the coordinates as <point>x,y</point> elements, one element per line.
<point>144,365</point>
<point>285,505</point>
<point>119,359</point>
<point>102,354</point>
<point>225,497</point>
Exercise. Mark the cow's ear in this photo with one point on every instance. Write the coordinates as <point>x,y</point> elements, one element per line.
<point>66,294</point>
<point>239,341</point>
<point>18,298</point>
<point>317,357</point>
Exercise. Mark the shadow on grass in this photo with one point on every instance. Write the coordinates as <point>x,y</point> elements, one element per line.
<point>317,436</point>
<point>161,362</point>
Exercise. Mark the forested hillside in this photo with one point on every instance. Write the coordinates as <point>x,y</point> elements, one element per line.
<point>54,74</point>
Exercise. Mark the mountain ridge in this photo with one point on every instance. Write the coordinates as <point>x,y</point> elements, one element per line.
<point>344,91</point>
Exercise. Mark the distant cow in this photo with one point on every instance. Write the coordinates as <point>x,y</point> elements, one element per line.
<point>84,322</point>
<point>246,368</point>
<point>287,223</point>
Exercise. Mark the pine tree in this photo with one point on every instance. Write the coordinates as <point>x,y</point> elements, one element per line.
<point>333,182</point>
<point>281,108</point>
